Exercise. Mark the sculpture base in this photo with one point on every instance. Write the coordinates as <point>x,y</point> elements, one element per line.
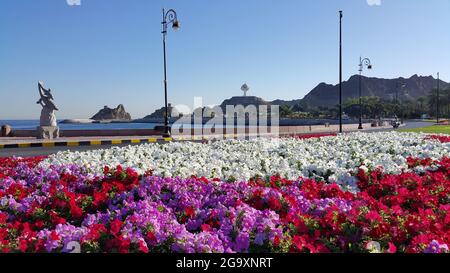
<point>47,132</point>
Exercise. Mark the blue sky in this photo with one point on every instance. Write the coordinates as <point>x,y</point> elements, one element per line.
<point>106,52</point>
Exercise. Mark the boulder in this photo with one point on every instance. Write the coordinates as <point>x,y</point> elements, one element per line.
<point>6,130</point>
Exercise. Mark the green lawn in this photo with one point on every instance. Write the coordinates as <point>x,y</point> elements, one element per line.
<point>433,120</point>
<point>437,129</point>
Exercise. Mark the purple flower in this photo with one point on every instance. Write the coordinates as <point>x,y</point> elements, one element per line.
<point>436,247</point>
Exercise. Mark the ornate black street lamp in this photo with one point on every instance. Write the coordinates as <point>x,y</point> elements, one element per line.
<point>169,17</point>
<point>340,71</point>
<point>362,63</point>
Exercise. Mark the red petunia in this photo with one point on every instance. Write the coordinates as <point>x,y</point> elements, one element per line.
<point>54,236</point>
<point>143,247</point>
<point>392,248</point>
<point>190,212</point>
<point>373,216</point>
<point>124,244</point>
<point>3,218</point>
<point>119,170</point>
<point>274,203</point>
<point>75,210</point>
<point>276,240</point>
<point>151,237</point>
<point>206,227</point>
<point>23,245</point>
<point>116,225</point>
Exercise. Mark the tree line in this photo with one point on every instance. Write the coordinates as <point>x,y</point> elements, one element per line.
<point>376,107</point>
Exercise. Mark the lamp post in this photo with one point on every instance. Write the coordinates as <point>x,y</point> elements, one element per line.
<point>362,63</point>
<point>448,104</point>
<point>400,85</point>
<point>437,103</point>
<point>340,71</point>
<point>169,17</point>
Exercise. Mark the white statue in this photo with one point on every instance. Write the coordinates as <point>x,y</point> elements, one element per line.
<point>48,117</point>
<point>48,128</point>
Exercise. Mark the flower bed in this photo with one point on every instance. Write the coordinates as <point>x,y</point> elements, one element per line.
<point>333,159</point>
<point>440,138</point>
<point>50,209</point>
<point>306,136</point>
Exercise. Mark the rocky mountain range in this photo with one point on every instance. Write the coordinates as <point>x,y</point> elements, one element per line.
<point>327,95</point>
<point>115,114</point>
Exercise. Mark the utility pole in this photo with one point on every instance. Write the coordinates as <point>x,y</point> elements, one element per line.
<point>437,103</point>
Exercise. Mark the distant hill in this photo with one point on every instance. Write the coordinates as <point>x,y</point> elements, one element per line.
<point>327,95</point>
<point>161,112</point>
<point>117,114</point>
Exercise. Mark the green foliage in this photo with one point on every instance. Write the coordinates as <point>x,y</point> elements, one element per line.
<point>375,107</point>
<point>437,129</point>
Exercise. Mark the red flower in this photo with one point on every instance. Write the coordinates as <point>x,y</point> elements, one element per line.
<point>75,211</point>
<point>116,225</point>
<point>99,198</point>
<point>190,212</point>
<point>54,236</point>
<point>151,237</point>
<point>443,139</point>
<point>119,170</point>
<point>3,233</point>
<point>143,247</point>
<point>274,203</point>
<point>206,227</point>
<point>95,232</point>
<point>56,219</point>
<point>124,244</point>
<point>299,242</point>
<point>373,216</point>
<point>39,224</point>
<point>18,191</point>
<point>3,218</point>
<point>276,240</point>
<point>23,245</point>
<point>392,248</point>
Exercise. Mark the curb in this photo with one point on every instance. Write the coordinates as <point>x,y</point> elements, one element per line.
<point>84,143</point>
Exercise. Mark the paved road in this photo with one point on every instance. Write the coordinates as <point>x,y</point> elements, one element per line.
<point>27,152</point>
<point>417,124</point>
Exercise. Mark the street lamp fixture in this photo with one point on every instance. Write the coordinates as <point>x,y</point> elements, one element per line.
<point>169,17</point>
<point>362,62</point>
<point>176,25</point>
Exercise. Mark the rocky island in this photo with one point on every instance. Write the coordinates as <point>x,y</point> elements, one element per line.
<point>105,115</point>
<point>109,114</point>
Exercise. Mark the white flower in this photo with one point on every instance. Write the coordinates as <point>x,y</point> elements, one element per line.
<point>373,247</point>
<point>334,159</point>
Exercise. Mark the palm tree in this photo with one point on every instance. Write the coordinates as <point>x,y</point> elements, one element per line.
<point>286,111</point>
<point>420,104</point>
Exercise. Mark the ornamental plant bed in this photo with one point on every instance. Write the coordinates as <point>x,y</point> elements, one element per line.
<point>48,209</point>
